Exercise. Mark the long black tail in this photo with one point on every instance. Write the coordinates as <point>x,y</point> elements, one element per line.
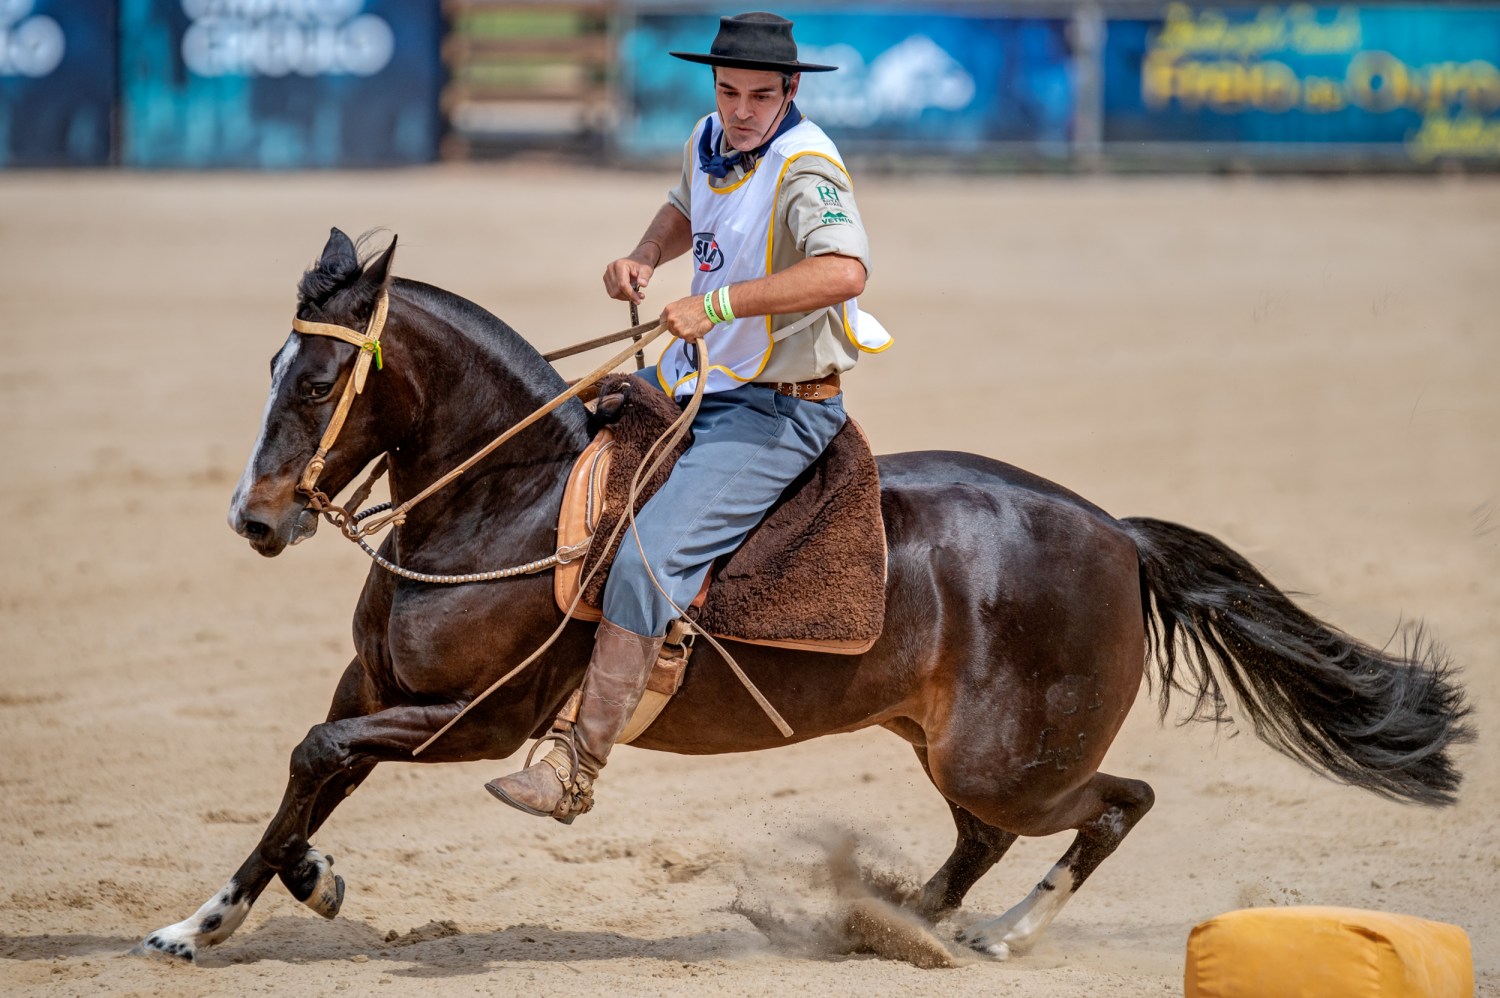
<point>1374,719</point>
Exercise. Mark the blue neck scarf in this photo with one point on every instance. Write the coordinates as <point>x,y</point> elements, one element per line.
<point>718,166</point>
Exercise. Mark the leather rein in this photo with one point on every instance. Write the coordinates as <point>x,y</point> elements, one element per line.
<point>357,526</point>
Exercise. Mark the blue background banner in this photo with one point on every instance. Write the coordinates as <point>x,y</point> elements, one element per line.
<point>293,83</point>
<point>57,82</point>
<point>912,83</point>
<point>1410,82</point>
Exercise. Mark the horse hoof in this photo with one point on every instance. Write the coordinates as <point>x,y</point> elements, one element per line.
<point>984,947</point>
<point>159,947</point>
<point>328,898</point>
<point>314,883</point>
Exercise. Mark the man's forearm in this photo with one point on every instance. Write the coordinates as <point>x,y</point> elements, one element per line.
<point>667,237</point>
<point>816,282</point>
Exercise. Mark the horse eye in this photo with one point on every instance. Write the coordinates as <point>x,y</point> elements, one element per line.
<point>318,391</point>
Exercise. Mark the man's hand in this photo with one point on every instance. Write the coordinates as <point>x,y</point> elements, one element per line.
<point>686,319</point>
<point>626,279</point>
<point>667,237</point>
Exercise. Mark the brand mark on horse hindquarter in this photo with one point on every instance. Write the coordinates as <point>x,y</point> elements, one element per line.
<point>1062,756</point>
<point>1065,696</point>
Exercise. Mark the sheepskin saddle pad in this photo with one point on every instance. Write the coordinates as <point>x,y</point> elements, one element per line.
<point>812,574</point>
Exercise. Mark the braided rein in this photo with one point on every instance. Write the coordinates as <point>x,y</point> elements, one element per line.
<point>562,556</point>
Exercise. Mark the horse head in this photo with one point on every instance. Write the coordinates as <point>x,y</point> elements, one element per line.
<point>308,378</point>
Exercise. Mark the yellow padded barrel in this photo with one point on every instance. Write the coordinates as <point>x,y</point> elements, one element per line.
<point>1317,952</point>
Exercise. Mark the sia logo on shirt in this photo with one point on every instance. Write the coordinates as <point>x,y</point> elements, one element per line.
<point>706,252</point>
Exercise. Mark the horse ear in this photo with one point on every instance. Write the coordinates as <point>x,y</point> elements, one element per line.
<point>379,270</point>
<point>339,255</point>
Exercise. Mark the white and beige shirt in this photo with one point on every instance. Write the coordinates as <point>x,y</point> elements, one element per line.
<point>795,202</point>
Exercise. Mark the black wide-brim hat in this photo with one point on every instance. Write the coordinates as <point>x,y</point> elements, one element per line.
<point>756,40</point>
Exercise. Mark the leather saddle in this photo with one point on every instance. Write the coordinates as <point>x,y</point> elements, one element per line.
<point>811,576</point>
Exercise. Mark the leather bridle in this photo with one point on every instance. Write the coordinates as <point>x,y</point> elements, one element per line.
<point>358,526</point>
<point>368,343</point>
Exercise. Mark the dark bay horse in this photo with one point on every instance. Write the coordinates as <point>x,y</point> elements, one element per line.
<point>1020,621</point>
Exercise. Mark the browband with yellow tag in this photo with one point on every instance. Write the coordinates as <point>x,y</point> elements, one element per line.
<point>368,341</point>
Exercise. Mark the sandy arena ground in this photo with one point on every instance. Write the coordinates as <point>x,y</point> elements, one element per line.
<point>1307,369</point>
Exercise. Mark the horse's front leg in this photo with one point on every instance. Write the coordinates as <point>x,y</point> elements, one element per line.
<point>215,921</point>
<point>326,766</point>
<point>223,913</point>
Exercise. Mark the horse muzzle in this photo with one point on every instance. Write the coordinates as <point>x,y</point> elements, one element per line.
<point>269,536</point>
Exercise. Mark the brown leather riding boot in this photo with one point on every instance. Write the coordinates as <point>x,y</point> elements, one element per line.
<point>561,786</point>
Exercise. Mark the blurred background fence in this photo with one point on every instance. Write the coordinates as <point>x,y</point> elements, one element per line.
<point>1027,85</point>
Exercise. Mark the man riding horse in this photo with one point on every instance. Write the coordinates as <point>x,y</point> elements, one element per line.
<point>780,255</point>
<point>1018,618</point>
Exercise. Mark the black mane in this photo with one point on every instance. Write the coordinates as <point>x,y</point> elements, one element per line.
<point>331,286</point>
<point>534,376</point>
<point>341,288</point>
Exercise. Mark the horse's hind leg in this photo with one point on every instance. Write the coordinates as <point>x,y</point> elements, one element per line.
<point>1103,811</point>
<point>979,847</point>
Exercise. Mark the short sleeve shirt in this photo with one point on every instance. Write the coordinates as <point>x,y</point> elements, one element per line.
<point>815,214</point>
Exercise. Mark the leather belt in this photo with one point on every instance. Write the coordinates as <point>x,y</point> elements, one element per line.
<point>816,390</point>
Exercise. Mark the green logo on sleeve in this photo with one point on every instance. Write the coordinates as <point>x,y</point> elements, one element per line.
<point>828,195</point>
<point>833,217</point>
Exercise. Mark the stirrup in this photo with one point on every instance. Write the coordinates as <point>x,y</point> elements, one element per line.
<point>568,740</point>
<point>576,797</point>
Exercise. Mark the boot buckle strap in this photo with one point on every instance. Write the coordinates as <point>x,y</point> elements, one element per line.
<point>566,775</point>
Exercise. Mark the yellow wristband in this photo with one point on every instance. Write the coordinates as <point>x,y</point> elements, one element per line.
<point>708,308</point>
<point>724,309</point>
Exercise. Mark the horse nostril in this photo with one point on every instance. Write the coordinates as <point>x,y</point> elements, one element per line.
<point>255,530</point>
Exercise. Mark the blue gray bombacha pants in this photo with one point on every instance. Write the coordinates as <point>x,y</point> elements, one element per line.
<point>749,443</point>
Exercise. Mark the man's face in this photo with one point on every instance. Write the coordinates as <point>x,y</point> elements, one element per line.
<point>750,104</point>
